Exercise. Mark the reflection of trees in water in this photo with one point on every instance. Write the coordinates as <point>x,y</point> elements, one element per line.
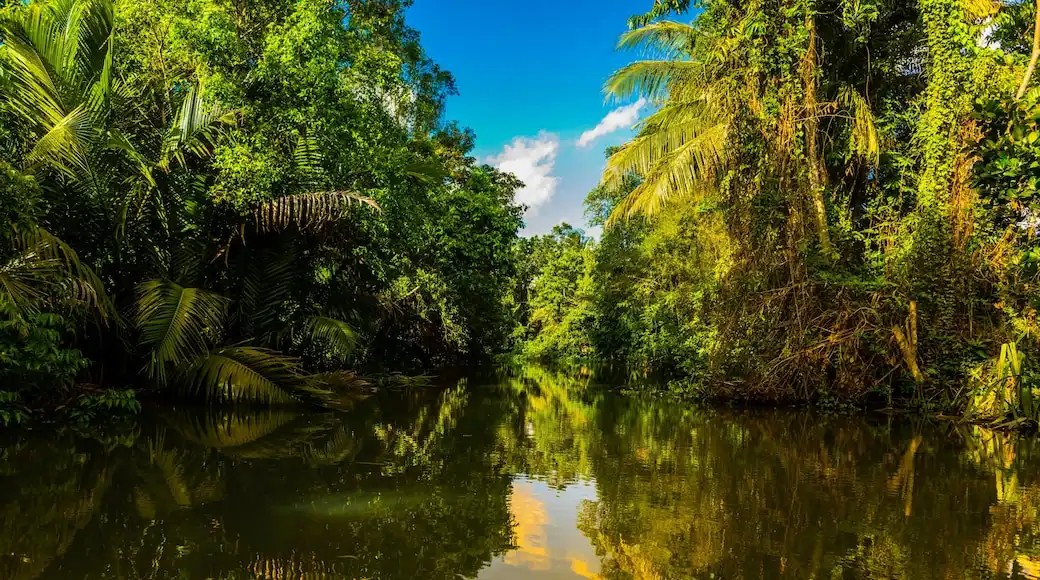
<point>552,429</point>
<point>44,506</point>
<point>418,485</point>
<point>1011,541</point>
<point>688,493</point>
<point>240,495</point>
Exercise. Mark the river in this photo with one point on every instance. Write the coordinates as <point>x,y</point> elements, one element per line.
<point>532,474</point>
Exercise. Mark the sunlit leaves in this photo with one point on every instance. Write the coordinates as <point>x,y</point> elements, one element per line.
<point>663,40</point>
<point>863,135</point>
<point>60,57</point>
<point>679,152</point>
<point>194,126</point>
<point>650,78</point>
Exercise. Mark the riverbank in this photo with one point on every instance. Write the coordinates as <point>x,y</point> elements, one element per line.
<point>735,394</point>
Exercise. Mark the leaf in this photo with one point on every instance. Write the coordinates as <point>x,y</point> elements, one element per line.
<point>308,161</point>
<point>650,78</point>
<point>308,210</point>
<point>193,127</point>
<point>678,154</point>
<point>980,9</point>
<point>428,171</point>
<point>265,287</point>
<point>66,145</point>
<point>249,374</point>
<point>660,8</point>
<point>336,337</point>
<point>664,40</point>
<point>863,135</point>
<point>59,75</point>
<point>177,323</point>
<point>45,270</point>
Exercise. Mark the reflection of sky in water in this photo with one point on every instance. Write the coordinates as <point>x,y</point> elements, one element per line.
<point>548,542</point>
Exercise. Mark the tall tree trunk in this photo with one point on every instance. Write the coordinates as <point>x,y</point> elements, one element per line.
<point>1033,58</point>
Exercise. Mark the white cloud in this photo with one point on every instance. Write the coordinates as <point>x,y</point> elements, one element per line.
<point>986,38</point>
<point>620,118</point>
<point>532,160</point>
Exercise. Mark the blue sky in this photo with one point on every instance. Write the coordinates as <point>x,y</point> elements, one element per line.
<point>530,76</point>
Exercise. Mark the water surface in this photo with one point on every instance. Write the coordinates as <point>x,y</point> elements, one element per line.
<point>537,475</point>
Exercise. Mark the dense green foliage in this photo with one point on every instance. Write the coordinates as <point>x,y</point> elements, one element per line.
<point>238,201</point>
<point>230,197</point>
<point>831,198</point>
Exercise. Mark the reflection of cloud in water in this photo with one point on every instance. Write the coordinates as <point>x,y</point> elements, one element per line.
<point>529,514</point>
<point>547,541</point>
<point>580,567</point>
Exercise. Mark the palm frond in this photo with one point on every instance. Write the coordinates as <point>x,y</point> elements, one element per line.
<point>679,152</point>
<point>308,161</point>
<point>249,374</point>
<point>65,146</point>
<point>117,140</point>
<point>663,40</point>
<point>95,24</point>
<point>193,127</point>
<point>675,161</point>
<point>87,286</point>
<point>178,324</point>
<point>45,270</point>
<point>24,284</point>
<point>223,428</point>
<point>60,70</point>
<point>308,210</point>
<point>266,284</point>
<point>660,8</point>
<point>650,78</point>
<point>34,45</point>
<point>334,336</point>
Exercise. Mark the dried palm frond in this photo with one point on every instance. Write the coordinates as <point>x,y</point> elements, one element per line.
<point>308,210</point>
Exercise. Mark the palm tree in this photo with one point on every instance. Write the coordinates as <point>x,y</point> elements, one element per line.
<point>682,146</point>
<point>708,95</point>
